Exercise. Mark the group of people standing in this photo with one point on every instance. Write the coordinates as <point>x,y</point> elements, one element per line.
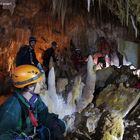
<point>26,55</point>
<point>24,116</point>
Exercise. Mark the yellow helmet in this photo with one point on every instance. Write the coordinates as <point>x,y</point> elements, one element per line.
<point>25,75</point>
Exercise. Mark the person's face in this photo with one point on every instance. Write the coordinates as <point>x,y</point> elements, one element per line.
<point>54,47</point>
<point>32,44</point>
<point>38,87</point>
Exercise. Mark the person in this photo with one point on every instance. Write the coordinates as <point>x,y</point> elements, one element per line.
<point>103,46</point>
<point>26,55</point>
<point>50,52</point>
<point>102,53</point>
<point>78,59</point>
<point>100,58</point>
<point>24,116</point>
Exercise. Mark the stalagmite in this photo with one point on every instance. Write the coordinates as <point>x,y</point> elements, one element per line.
<point>51,85</point>
<point>90,80</point>
<point>51,63</point>
<point>76,91</point>
<point>54,101</point>
<point>61,84</point>
<point>88,90</point>
<point>74,96</point>
<point>50,98</point>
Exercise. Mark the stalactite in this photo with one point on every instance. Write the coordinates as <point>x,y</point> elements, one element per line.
<point>100,3</point>
<point>88,5</point>
<point>60,8</point>
<point>93,2</point>
<point>54,5</point>
<point>134,26</point>
<point>127,12</point>
<point>63,12</point>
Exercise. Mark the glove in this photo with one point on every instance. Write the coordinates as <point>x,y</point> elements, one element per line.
<point>39,66</point>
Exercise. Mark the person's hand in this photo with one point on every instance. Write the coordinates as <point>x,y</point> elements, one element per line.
<point>42,71</point>
<point>40,67</point>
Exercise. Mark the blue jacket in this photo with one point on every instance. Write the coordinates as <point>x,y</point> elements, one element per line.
<point>13,124</point>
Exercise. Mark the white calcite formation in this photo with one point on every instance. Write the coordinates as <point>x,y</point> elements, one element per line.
<point>78,98</point>
<point>87,95</point>
<point>54,101</point>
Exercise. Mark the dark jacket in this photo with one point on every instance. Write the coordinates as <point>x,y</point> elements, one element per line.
<point>26,56</point>
<point>47,55</point>
<point>13,123</point>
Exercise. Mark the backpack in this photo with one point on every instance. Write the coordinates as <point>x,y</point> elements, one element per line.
<point>21,54</point>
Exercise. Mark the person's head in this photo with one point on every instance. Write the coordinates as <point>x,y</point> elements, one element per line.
<point>54,45</point>
<point>27,78</point>
<point>101,61</point>
<point>78,51</point>
<point>32,41</point>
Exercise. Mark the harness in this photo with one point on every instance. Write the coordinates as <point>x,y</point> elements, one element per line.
<point>28,113</point>
<point>29,116</point>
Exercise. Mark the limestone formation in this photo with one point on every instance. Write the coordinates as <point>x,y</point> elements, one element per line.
<point>119,98</point>
<point>110,127</point>
<point>88,91</point>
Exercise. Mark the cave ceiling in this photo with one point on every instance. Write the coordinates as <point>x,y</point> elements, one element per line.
<point>126,11</point>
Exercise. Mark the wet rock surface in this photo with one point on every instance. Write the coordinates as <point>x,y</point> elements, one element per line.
<point>120,98</point>
<point>122,75</point>
<point>132,125</point>
<point>113,115</point>
<point>110,126</point>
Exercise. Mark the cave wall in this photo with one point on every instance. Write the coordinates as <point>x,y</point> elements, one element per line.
<point>33,17</point>
<point>131,50</point>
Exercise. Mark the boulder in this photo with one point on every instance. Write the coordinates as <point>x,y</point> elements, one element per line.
<point>132,125</point>
<point>110,127</point>
<point>119,98</point>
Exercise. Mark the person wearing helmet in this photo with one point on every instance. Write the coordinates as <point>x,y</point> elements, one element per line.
<point>50,52</point>
<point>24,116</point>
<point>26,55</point>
